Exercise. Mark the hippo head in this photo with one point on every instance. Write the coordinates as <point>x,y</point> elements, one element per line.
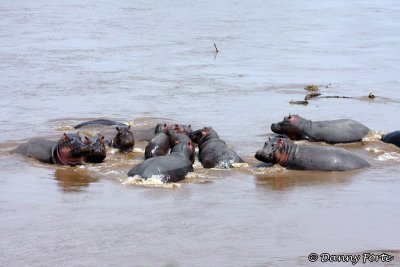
<point>291,126</point>
<point>183,129</point>
<point>124,139</point>
<point>70,150</point>
<point>186,148</point>
<point>202,135</point>
<point>161,128</point>
<point>97,149</point>
<point>73,143</point>
<point>274,151</point>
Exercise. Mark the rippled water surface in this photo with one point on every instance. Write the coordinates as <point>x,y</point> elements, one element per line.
<point>147,61</point>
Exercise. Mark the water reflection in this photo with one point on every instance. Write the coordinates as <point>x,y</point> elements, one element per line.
<point>73,179</point>
<point>277,178</point>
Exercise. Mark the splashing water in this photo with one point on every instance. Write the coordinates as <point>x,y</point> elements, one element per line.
<point>154,181</point>
<point>373,136</point>
<point>389,156</point>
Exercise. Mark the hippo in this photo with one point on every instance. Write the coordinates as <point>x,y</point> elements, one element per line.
<point>332,132</point>
<point>178,137</point>
<point>392,138</point>
<point>121,138</point>
<point>170,168</point>
<point>99,122</point>
<point>214,152</point>
<point>159,144</point>
<point>286,153</point>
<point>146,134</point>
<point>181,128</point>
<point>68,150</point>
<point>97,149</point>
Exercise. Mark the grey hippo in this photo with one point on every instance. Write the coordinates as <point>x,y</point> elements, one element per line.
<point>121,138</point>
<point>286,153</point>
<point>141,134</point>
<point>332,131</point>
<point>170,168</point>
<point>392,138</point>
<point>68,150</point>
<point>214,152</point>
<point>159,144</point>
<point>97,123</point>
<point>97,149</point>
<point>176,137</point>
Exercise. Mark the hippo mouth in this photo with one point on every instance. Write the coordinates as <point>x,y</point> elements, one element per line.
<point>66,156</point>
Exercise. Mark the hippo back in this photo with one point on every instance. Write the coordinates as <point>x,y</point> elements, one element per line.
<point>337,131</point>
<point>392,138</point>
<point>170,168</point>
<point>98,123</point>
<point>157,146</point>
<point>38,148</point>
<point>215,153</point>
<point>309,157</point>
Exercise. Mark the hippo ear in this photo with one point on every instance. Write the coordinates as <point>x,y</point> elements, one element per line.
<point>65,137</point>
<point>129,127</point>
<point>87,140</point>
<point>165,125</point>
<point>118,129</point>
<point>269,138</point>
<point>102,138</point>
<point>176,142</point>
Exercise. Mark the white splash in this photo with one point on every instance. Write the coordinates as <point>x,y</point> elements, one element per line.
<point>240,165</point>
<point>138,149</point>
<point>154,181</point>
<point>373,136</point>
<point>374,149</point>
<point>389,156</point>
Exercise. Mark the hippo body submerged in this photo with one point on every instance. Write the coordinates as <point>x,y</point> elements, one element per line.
<point>392,138</point>
<point>68,150</point>
<point>332,132</point>
<point>309,157</point>
<point>214,152</point>
<point>170,168</point>
<point>97,123</point>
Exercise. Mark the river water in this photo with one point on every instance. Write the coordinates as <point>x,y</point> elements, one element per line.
<point>147,61</point>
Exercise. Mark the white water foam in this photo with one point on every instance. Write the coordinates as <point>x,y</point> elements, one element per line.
<point>389,156</point>
<point>154,181</point>
<point>373,136</point>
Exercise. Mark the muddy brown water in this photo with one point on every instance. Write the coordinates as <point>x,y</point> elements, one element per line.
<point>144,61</point>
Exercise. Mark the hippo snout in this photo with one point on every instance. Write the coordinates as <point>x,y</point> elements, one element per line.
<point>80,149</point>
<point>263,155</point>
<point>276,127</point>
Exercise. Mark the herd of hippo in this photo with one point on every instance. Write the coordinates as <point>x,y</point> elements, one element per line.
<point>170,151</point>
